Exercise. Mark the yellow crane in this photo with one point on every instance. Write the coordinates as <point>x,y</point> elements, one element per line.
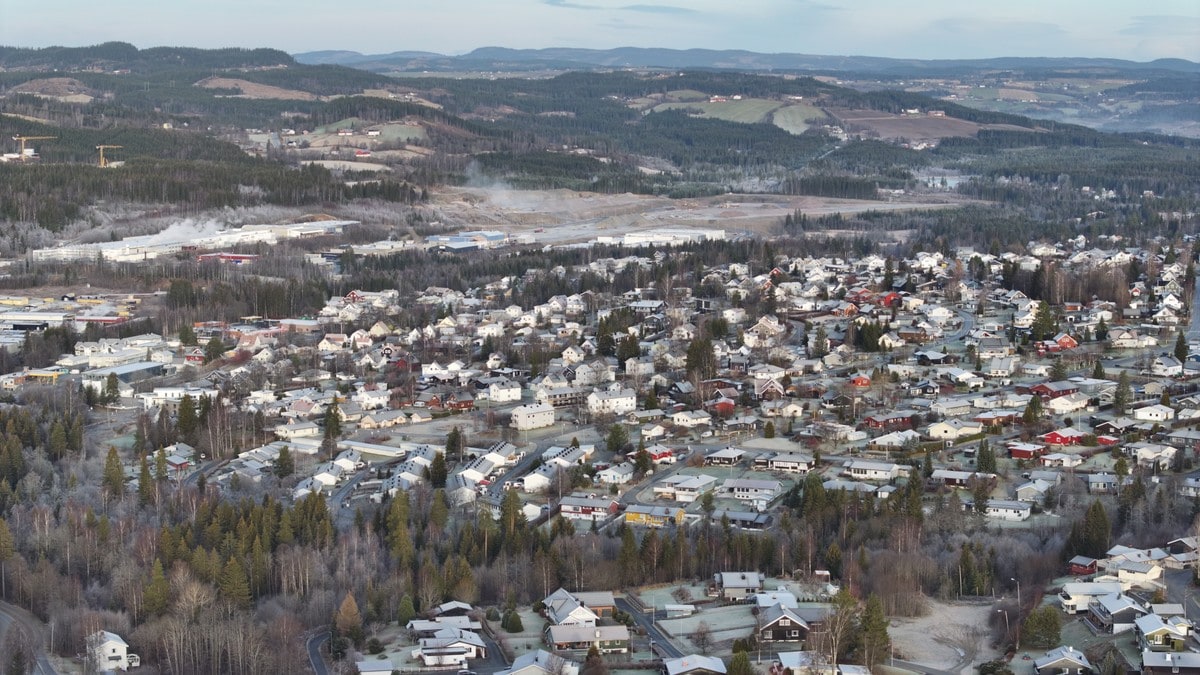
<point>22,140</point>
<point>102,148</point>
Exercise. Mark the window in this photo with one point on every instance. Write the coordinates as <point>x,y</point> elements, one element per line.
<point>793,633</point>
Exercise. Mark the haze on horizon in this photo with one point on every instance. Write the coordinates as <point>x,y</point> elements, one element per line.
<point>921,29</point>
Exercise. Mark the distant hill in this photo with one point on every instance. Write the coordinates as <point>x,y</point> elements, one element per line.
<point>633,57</point>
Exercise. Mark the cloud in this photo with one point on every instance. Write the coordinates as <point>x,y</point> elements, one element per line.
<point>659,9</point>
<point>1162,24</point>
<point>990,28</point>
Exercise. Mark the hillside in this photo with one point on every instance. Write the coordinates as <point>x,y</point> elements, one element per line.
<point>676,134</point>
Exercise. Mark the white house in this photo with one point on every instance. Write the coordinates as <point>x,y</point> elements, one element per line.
<point>615,401</point>
<point>616,475</point>
<point>1166,366</point>
<point>863,469</point>
<point>108,651</point>
<point>1154,413</point>
<point>532,416</point>
<point>1003,509</point>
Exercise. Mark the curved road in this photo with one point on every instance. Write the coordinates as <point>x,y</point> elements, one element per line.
<point>313,645</point>
<point>33,628</point>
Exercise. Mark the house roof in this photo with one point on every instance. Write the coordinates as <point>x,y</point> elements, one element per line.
<point>693,663</point>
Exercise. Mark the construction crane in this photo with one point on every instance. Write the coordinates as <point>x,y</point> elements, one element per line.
<point>102,148</point>
<point>22,140</point>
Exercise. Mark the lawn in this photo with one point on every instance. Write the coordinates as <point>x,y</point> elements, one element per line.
<point>791,118</point>
<point>746,111</point>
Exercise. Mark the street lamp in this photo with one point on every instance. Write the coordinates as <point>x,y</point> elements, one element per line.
<point>1018,591</point>
<point>1007,628</point>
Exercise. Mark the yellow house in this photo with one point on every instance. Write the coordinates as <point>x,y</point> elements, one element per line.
<point>653,516</point>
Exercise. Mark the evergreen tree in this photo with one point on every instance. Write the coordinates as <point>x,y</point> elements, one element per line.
<point>285,464</point>
<point>1044,324</point>
<point>186,420</point>
<point>701,361</point>
<point>438,472</point>
<point>333,422</point>
<point>740,664</point>
<point>58,441</point>
<point>8,549</point>
<point>145,484</point>
<point>160,465</point>
<point>1042,628</point>
<point>769,430</point>
<point>981,493</point>
<point>1123,394</point>
<point>986,459</point>
<point>187,335</point>
<point>214,350</point>
<point>618,437</point>
<point>234,585</point>
<point>157,594</point>
<point>1098,371</point>
<point>512,622</point>
<point>873,632</point>
<point>927,465</point>
<point>1181,347</point>
<point>405,612</point>
<point>114,474</point>
<point>112,392</point>
<point>1033,410</point>
<point>820,343</point>
<point>1102,330</point>
<point>1058,370</point>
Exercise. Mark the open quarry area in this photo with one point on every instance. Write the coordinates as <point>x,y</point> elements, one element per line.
<point>556,217</point>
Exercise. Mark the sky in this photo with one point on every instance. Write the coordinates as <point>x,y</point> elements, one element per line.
<point>925,29</point>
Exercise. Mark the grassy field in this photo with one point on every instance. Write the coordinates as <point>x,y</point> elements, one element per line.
<point>746,111</point>
<point>791,118</point>
<point>401,132</point>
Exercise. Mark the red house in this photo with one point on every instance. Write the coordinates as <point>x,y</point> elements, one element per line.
<point>722,406</point>
<point>889,420</point>
<point>861,380</point>
<point>1064,436</point>
<point>1065,341</point>
<point>194,355</point>
<point>1107,440</point>
<point>1081,565</point>
<point>891,299</point>
<point>1049,390</point>
<point>1025,450</point>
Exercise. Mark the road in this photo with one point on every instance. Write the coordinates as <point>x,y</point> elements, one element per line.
<point>1194,327</point>
<point>313,644</point>
<point>663,645</point>
<point>33,628</point>
<point>1179,589</point>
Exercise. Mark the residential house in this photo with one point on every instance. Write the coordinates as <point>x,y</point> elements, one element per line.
<point>1162,634</point>
<point>566,609</point>
<point>1076,597</point>
<point>653,516</point>
<point>587,507</point>
<point>755,493</point>
<point>863,469</point>
<point>1166,366</point>
<point>1063,661</point>
<point>1154,413</point>
<point>1170,663</point>
<point>1115,613</point>
<point>737,585</point>
<point>606,639</point>
<point>541,662</point>
<point>1081,565</point>
<point>778,623</point>
<point>694,665</point>
<point>109,651</point>
<point>532,416</point>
